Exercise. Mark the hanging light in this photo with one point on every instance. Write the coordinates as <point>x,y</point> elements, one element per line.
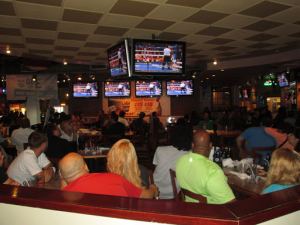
<point>65,62</point>
<point>8,50</point>
<point>79,77</point>
<point>215,62</point>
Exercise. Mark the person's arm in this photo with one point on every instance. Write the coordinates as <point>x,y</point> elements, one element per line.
<point>48,172</point>
<point>150,193</point>
<point>239,141</point>
<point>11,182</point>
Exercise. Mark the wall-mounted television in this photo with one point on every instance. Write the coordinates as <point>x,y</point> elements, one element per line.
<point>119,60</point>
<point>282,80</point>
<point>148,88</point>
<point>85,89</point>
<point>180,87</point>
<point>245,93</point>
<point>157,57</point>
<point>117,89</point>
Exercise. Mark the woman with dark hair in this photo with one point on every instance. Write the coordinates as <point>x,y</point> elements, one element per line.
<point>284,171</point>
<point>166,156</point>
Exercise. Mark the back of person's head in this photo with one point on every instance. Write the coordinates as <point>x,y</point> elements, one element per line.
<point>114,117</point>
<point>49,129</point>
<point>25,123</point>
<point>154,114</point>
<point>186,116</point>
<point>56,114</point>
<point>66,118</point>
<point>122,160</point>
<point>284,168</point>
<point>142,115</point>
<point>201,142</point>
<point>286,127</point>
<point>122,114</point>
<point>182,137</point>
<point>266,121</point>
<point>181,121</point>
<point>36,139</point>
<point>18,121</point>
<point>71,165</point>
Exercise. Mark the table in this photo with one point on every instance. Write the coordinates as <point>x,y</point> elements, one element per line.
<point>243,186</point>
<point>99,134</point>
<point>91,155</point>
<point>53,183</point>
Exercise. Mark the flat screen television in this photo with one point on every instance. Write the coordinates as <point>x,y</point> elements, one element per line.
<point>117,89</point>
<point>282,80</point>
<point>180,87</point>
<point>148,88</point>
<point>245,93</point>
<point>157,57</point>
<point>118,58</point>
<point>85,89</point>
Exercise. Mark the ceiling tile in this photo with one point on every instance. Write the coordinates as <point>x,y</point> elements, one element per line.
<point>284,29</point>
<point>81,16</point>
<point>234,6</point>
<point>11,39</point>
<point>241,50</point>
<point>39,46</point>
<point>65,48</point>
<point>262,25</point>
<point>289,2</point>
<point>196,38</point>
<point>236,21</point>
<point>84,58</point>
<point>219,41</point>
<point>7,8</point>
<point>288,16</point>
<point>261,37</point>
<point>13,45</point>
<point>96,45</point>
<point>206,17</point>
<point>103,38</point>
<point>70,43</point>
<point>190,3</point>
<point>214,31</point>
<point>297,35</point>
<point>282,40</point>
<point>87,54</point>
<point>227,54</point>
<point>241,43</point>
<point>72,36</point>
<point>203,46</point>
<point>39,41</point>
<point>62,56</point>
<point>44,2</point>
<point>44,34</point>
<point>239,34</point>
<point>166,12</point>
<point>40,12</point>
<point>113,31</point>
<point>224,48</point>
<point>264,9</point>
<point>101,58</point>
<point>10,31</point>
<point>154,24</point>
<point>102,6</point>
<point>192,51</point>
<point>65,53</point>
<point>39,24</point>
<point>116,20</point>
<point>171,36</point>
<point>93,50</point>
<point>132,8</point>
<point>260,45</point>
<point>82,28</point>
<point>10,21</point>
<point>38,51</point>
<point>196,56</point>
<point>186,28</point>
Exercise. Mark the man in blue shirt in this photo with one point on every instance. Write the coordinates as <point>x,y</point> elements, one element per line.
<point>257,137</point>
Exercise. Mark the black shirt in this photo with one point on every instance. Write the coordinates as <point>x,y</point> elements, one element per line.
<point>3,176</point>
<point>115,128</point>
<point>58,147</point>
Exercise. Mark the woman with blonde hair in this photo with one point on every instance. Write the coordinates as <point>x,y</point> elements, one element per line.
<point>284,171</point>
<point>122,160</point>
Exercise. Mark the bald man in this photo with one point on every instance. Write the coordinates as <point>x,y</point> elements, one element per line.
<point>197,173</point>
<point>76,177</point>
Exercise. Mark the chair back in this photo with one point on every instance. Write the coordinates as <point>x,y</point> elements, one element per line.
<point>173,176</point>
<point>143,153</point>
<point>193,195</point>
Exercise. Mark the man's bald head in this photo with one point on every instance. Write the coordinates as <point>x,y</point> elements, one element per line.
<point>201,143</point>
<point>72,166</point>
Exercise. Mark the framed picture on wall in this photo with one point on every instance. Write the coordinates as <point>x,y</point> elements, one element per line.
<point>253,98</point>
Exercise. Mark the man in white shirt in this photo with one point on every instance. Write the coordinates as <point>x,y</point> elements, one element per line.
<point>32,162</point>
<point>120,87</point>
<point>69,130</point>
<point>182,87</point>
<point>123,120</point>
<point>20,136</point>
<point>167,57</point>
<point>151,87</point>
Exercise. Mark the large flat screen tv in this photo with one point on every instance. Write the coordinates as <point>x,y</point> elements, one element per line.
<point>180,87</point>
<point>85,90</point>
<point>148,88</point>
<point>118,58</point>
<point>282,80</point>
<point>117,89</point>
<point>157,57</point>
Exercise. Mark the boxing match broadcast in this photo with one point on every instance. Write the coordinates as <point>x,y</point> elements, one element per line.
<point>117,89</point>
<point>183,87</point>
<point>159,57</point>
<point>147,88</point>
<point>81,89</point>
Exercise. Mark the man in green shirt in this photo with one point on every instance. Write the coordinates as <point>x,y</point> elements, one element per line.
<point>197,173</point>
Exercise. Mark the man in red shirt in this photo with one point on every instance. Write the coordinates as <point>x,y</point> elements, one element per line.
<point>76,177</point>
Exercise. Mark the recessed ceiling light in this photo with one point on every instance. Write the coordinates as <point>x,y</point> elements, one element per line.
<point>207,78</point>
<point>222,70</point>
<point>213,75</point>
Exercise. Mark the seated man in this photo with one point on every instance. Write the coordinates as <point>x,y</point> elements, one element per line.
<point>20,136</point>
<point>224,122</point>
<point>122,119</point>
<point>140,122</point>
<point>69,130</point>
<point>76,177</point>
<point>57,147</point>
<point>115,127</point>
<point>197,173</point>
<point>32,162</point>
<point>4,179</point>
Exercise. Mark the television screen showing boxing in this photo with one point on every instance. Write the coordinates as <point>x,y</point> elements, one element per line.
<point>147,88</point>
<point>158,57</point>
<point>118,57</point>
<point>182,87</point>
<point>85,90</point>
<point>282,80</point>
<point>117,89</point>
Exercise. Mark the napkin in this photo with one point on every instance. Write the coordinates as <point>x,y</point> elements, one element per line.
<point>228,162</point>
<point>242,176</point>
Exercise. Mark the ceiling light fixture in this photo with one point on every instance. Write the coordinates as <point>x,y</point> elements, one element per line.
<point>8,50</point>
<point>207,78</point>
<point>79,77</point>
<point>213,75</point>
<point>215,62</point>
<point>193,76</point>
<point>288,70</point>
<point>201,81</point>
<point>222,70</point>
<point>65,62</point>
<point>34,78</point>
